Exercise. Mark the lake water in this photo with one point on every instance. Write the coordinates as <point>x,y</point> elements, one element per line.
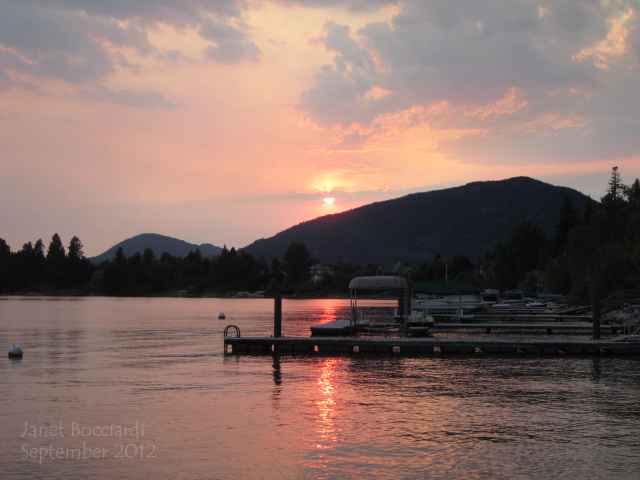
<point>140,388</point>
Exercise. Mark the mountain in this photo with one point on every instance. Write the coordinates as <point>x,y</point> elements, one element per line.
<point>471,220</point>
<point>159,244</point>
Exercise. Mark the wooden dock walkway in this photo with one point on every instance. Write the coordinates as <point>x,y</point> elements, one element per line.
<point>548,327</point>
<point>425,346</point>
<point>521,317</point>
<point>342,328</point>
<point>333,344</point>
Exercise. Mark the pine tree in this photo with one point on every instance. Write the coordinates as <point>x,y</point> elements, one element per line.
<point>615,189</point>
<point>56,263</point>
<point>568,220</point>
<point>55,254</point>
<point>297,262</point>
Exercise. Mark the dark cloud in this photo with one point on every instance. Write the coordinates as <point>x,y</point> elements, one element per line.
<point>47,43</point>
<point>634,37</point>
<point>349,5</point>
<point>147,98</point>
<point>171,12</point>
<point>434,51</point>
<point>231,43</point>
<point>74,40</point>
<point>337,38</point>
<point>474,54</point>
<point>340,89</point>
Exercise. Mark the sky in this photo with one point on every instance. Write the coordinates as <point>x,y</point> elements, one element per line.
<point>226,121</point>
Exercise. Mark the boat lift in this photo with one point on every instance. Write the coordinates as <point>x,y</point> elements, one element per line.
<point>380,283</point>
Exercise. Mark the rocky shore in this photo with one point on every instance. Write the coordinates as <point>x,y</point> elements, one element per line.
<point>628,316</point>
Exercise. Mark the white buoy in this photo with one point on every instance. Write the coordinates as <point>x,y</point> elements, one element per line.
<point>15,352</point>
<point>221,316</point>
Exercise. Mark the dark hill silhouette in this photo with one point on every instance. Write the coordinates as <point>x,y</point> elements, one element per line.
<point>159,244</point>
<point>471,220</point>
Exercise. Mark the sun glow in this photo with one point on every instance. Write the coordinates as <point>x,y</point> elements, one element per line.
<point>329,200</point>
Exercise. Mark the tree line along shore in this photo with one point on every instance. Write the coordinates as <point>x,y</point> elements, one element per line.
<point>590,255</point>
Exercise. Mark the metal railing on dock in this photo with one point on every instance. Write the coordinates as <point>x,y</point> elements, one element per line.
<point>631,329</point>
<point>622,296</point>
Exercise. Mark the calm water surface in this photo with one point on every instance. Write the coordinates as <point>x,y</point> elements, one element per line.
<point>140,388</point>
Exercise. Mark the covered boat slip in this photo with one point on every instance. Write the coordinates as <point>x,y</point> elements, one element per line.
<point>359,323</point>
<point>404,318</point>
<point>397,285</point>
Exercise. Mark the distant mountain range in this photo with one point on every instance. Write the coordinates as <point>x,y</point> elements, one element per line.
<point>159,244</point>
<point>470,220</point>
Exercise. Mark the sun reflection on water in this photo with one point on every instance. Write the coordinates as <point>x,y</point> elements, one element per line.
<point>330,310</point>
<point>326,403</point>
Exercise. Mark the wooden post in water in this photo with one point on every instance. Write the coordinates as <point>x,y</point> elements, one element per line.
<point>404,302</point>
<point>596,318</point>
<point>407,301</point>
<point>277,316</point>
<point>400,308</point>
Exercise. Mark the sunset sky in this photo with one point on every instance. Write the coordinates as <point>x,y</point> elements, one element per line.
<point>224,121</point>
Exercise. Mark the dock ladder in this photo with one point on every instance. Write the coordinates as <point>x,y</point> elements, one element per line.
<point>226,335</point>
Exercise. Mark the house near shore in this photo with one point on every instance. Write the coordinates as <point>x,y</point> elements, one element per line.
<point>319,271</point>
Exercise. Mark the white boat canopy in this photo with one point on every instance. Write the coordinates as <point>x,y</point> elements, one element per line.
<point>378,283</point>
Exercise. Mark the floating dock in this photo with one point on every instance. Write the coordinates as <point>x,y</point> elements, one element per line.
<point>512,327</point>
<point>337,338</point>
<point>330,329</point>
<point>343,328</point>
<point>515,316</point>
<point>425,346</point>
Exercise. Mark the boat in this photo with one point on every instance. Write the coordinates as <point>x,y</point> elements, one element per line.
<point>455,298</point>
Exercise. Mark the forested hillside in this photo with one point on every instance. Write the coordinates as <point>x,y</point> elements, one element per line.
<point>157,243</point>
<point>470,220</point>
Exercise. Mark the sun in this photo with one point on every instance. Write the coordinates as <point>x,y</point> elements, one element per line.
<point>329,200</point>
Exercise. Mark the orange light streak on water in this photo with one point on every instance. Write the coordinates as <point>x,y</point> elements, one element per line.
<point>326,403</point>
<point>329,311</point>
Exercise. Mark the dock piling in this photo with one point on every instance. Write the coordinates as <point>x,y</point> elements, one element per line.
<point>596,319</point>
<point>277,316</point>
